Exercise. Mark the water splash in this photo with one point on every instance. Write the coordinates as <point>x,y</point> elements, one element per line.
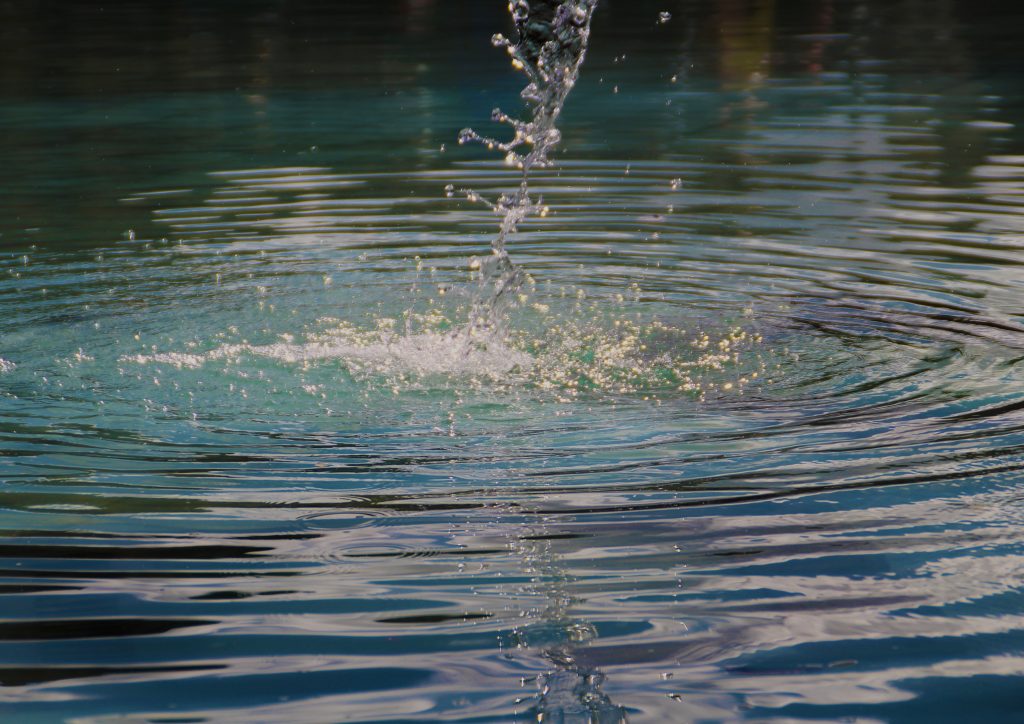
<point>381,352</point>
<point>586,350</point>
<point>506,334</point>
<point>549,50</point>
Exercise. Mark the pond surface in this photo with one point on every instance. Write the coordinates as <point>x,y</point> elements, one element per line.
<point>753,448</point>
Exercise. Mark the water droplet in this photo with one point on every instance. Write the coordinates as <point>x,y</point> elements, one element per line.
<point>520,10</point>
<point>676,183</point>
<point>663,17</point>
<point>449,190</point>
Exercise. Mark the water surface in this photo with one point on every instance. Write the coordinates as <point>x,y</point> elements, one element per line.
<point>752,450</point>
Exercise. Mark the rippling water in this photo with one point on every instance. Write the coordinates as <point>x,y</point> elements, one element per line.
<point>753,448</point>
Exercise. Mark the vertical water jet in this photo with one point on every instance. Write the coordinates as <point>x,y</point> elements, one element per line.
<point>549,49</point>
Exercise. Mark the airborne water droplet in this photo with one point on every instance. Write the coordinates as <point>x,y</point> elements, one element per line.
<point>663,17</point>
<point>520,10</point>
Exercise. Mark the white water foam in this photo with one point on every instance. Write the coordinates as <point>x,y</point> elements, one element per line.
<point>370,353</point>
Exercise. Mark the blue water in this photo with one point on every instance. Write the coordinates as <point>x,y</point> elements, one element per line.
<point>753,448</point>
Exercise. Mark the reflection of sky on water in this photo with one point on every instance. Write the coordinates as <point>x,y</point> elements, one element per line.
<point>714,627</point>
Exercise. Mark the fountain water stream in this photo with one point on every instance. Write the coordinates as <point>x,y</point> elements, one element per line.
<point>549,50</point>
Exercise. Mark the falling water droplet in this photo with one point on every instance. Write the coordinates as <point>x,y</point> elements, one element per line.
<point>663,17</point>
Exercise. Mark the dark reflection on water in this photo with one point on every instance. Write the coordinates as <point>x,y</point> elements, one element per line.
<point>208,512</point>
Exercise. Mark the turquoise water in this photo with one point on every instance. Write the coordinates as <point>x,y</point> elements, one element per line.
<point>752,449</point>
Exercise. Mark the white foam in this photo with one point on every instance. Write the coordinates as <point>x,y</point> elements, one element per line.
<point>425,353</point>
<point>6,365</point>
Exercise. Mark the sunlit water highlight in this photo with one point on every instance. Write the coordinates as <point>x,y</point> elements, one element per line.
<point>750,447</point>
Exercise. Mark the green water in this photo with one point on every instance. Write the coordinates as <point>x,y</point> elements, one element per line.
<point>751,449</point>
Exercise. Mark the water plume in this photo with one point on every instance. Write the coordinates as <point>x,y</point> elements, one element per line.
<point>549,49</point>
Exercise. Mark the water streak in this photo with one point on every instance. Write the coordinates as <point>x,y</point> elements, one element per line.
<point>549,50</point>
